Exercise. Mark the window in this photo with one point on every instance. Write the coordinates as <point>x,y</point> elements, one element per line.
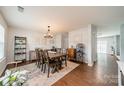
<point>1,42</point>
<point>102,46</point>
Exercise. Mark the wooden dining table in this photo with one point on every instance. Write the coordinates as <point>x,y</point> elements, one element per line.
<point>56,56</point>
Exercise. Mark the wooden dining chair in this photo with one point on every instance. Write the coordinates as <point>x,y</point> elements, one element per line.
<point>58,50</point>
<point>50,63</point>
<point>64,58</point>
<point>37,57</point>
<point>41,59</point>
<point>39,63</point>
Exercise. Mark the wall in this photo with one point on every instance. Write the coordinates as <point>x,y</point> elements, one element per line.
<point>93,29</point>
<point>111,41</point>
<point>64,41</point>
<point>92,46</point>
<point>112,35</point>
<point>118,45</point>
<point>57,40</point>
<point>122,43</point>
<point>35,39</point>
<point>86,36</point>
<point>3,62</point>
<point>79,36</point>
<point>108,30</point>
<point>61,40</point>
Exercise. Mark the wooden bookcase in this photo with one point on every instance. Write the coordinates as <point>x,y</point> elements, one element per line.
<point>20,48</point>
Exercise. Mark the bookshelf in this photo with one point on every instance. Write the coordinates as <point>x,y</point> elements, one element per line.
<point>20,48</point>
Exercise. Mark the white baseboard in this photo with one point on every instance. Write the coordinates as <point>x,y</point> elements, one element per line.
<point>90,64</point>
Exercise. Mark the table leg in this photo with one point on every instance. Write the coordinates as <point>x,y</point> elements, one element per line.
<point>54,69</point>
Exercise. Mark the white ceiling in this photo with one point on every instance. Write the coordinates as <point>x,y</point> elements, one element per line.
<point>62,18</point>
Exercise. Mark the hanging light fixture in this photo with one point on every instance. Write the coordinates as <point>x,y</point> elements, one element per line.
<point>48,34</point>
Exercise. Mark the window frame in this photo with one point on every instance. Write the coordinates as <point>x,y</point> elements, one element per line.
<point>3,54</point>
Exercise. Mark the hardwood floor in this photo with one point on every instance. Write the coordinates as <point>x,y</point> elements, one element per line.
<point>103,73</point>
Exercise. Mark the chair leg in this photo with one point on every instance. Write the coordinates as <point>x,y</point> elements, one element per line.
<point>57,68</point>
<point>60,65</point>
<point>44,68</point>
<point>38,64</point>
<point>66,63</point>
<point>48,71</point>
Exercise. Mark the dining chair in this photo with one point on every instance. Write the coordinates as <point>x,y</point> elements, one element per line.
<point>64,58</point>
<point>41,59</point>
<point>51,63</point>
<point>37,57</point>
<point>58,50</point>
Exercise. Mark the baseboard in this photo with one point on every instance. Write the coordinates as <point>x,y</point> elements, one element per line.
<point>90,64</point>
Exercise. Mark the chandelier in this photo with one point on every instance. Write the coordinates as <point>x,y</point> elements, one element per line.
<point>48,34</point>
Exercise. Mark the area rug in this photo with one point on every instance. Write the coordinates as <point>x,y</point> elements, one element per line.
<point>38,78</point>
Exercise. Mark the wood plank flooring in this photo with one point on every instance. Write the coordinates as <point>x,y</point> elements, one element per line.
<point>103,73</point>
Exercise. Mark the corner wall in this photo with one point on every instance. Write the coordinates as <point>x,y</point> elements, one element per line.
<point>93,47</point>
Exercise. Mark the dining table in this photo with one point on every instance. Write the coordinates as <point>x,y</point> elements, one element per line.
<point>56,56</point>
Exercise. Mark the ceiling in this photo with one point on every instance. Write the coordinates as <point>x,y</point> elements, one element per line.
<point>62,18</point>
